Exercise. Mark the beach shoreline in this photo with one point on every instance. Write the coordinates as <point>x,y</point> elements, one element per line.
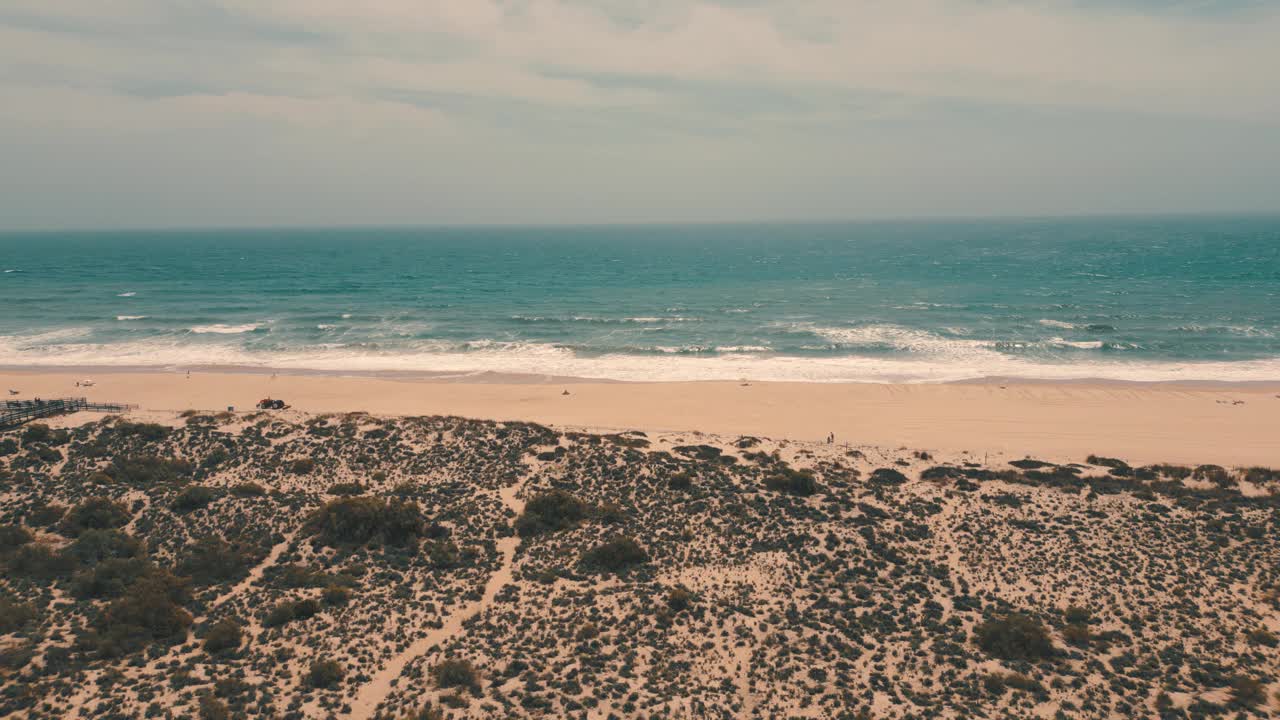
<point>1229,424</point>
<point>487,377</point>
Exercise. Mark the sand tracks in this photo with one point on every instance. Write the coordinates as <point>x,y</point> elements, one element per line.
<point>373,692</point>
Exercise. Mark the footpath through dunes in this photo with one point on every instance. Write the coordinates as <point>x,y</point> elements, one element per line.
<point>371,694</point>
<point>309,566</point>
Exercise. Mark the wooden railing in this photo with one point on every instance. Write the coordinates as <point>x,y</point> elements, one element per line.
<point>16,412</point>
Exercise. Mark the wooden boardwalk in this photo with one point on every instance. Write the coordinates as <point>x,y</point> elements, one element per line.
<point>16,412</point>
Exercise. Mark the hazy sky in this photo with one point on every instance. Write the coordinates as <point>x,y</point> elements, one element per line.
<point>314,112</point>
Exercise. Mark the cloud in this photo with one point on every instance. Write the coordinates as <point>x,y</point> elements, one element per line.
<point>1046,53</point>
<point>459,110</point>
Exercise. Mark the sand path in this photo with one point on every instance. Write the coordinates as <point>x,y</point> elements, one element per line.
<point>373,692</point>
<point>255,574</point>
<point>742,655</point>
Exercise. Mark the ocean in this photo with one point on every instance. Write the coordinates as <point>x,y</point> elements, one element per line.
<point>1146,299</point>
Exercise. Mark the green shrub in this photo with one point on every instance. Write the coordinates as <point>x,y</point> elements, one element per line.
<point>1014,637</point>
<point>15,615</point>
<point>1077,615</point>
<point>278,615</point>
<point>8,446</point>
<point>287,611</point>
<point>148,432</point>
<point>426,712</point>
<point>38,561</point>
<point>211,708</point>
<point>349,489</point>
<point>211,560</point>
<point>299,576</point>
<point>443,554</point>
<point>44,454</point>
<point>246,490</point>
<point>13,536</point>
<point>610,513</point>
<point>1262,636</point>
<point>147,613</point>
<point>95,513</point>
<point>216,457</point>
<point>1106,462</point>
<point>1078,635</point>
<point>335,595</point>
<point>997,683</point>
<point>680,481</point>
<point>1247,691</point>
<point>223,636</point>
<point>1259,475</point>
<point>193,498</point>
<point>94,546</point>
<point>1215,474</point>
<point>302,466</point>
<point>457,673</point>
<point>44,514</point>
<point>887,476</point>
<point>109,578</point>
<point>615,555</point>
<point>792,482</point>
<point>359,520</point>
<point>550,511</point>
<point>36,433</point>
<point>679,599</point>
<point>148,470</point>
<point>325,674</point>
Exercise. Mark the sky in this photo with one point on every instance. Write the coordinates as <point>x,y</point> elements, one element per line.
<point>236,113</point>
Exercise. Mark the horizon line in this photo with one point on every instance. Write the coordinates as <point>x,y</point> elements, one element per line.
<point>904,219</point>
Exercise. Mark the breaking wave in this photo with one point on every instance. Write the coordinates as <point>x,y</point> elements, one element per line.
<point>943,360</point>
<point>220,329</point>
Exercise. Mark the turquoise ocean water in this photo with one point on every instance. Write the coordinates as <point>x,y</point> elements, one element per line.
<point>1128,299</point>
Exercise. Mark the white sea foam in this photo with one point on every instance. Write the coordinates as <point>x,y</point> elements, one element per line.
<point>323,326</point>
<point>642,320</point>
<point>1048,322</point>
<point>918,342</point>
<point>127,294</point>
<point>43,340</point>
<point>220,329</point>
<point>124,318</point>
<point>1078,344</point>
<point>1249,331</point>
<point>346,316</point>
<point>679,349</point>
<point>1241,330</point>
<point>542,358</point>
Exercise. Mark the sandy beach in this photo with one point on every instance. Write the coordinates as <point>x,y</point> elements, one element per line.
<point>1142,423</point>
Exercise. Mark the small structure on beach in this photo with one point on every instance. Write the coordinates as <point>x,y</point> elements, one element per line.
<point>16,412</point>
